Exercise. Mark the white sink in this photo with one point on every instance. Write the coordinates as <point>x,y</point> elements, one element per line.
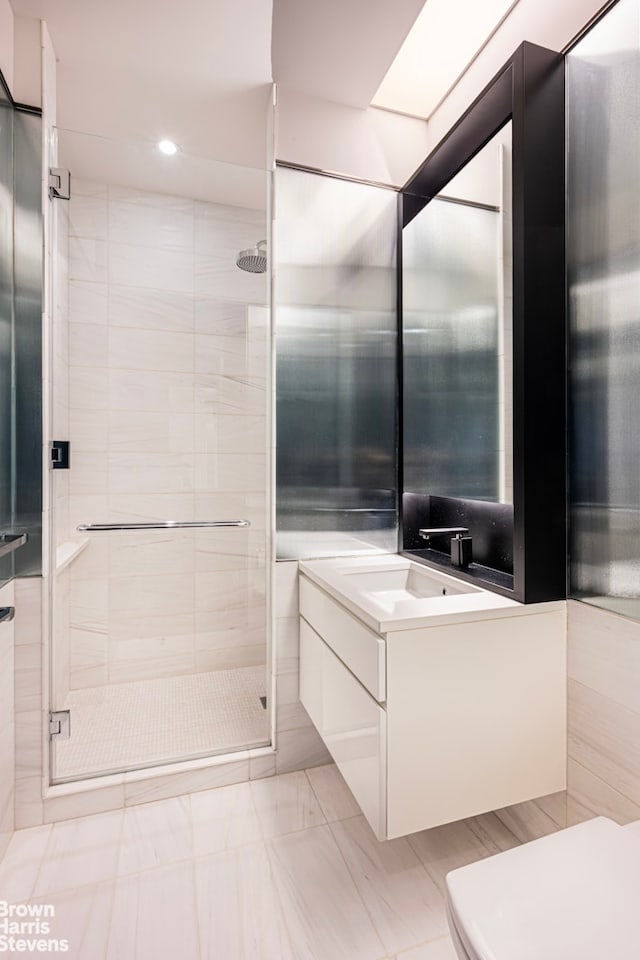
<point>397,585</point>
<point>394,593</point>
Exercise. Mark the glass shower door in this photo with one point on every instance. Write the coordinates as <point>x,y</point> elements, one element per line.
<point>160,383</point>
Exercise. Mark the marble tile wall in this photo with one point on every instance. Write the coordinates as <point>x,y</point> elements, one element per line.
<point>7,723</point>
<point>298,744</point>
<point>604,715</point>
<point>167,405</point>
<point>30,705</point>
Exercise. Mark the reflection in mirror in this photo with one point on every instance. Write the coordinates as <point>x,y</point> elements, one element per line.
<point>603,253</point>
<point>336,339</point>
<point>457,334</point>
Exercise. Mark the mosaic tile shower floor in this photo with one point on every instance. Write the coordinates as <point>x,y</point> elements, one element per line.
<point>148,722</point>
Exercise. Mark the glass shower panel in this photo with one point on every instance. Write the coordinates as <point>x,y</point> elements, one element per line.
<point>336,333</point>
<point>161,379</point>
<point>604,302</point>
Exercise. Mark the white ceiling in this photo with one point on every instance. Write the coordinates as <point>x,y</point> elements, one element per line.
<point>195,71</point>
<point>338,49</point>
<point>199,72</point>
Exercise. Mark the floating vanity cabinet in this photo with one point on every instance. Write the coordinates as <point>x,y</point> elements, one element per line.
<point>433,708</point>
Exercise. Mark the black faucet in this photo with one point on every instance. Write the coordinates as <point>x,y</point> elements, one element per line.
<point>461,546</point>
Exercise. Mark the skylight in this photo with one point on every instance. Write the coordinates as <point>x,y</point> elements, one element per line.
<point>442,42</point>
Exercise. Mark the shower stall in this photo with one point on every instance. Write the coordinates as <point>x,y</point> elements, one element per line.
<point>160,500</point>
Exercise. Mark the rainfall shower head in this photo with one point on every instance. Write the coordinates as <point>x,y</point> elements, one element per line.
<point>253,260</point>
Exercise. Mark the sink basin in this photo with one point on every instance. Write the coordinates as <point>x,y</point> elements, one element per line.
<point>390,593</point>
<point>396,585</point>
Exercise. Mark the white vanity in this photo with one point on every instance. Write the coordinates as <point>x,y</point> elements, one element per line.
<point>438,700</point>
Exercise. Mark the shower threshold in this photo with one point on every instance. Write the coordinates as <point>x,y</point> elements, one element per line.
<point>147,723</point>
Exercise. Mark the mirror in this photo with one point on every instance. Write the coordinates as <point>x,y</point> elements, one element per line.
<point>457,334</point>
<point>484,339</point>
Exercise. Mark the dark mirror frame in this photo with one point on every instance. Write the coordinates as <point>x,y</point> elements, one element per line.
<point>529,91</point>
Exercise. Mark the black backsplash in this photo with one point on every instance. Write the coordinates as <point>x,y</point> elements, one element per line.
<point>490,525</point>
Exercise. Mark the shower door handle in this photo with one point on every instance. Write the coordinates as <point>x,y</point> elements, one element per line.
<point>162,525</point>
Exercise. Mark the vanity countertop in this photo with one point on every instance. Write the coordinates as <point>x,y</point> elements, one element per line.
<point>358,584</point>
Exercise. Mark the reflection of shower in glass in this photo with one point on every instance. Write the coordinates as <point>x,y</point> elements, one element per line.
<point>253,260</point>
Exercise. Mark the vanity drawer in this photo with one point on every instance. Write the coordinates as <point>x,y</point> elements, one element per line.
<point>362,650</point>
<point>352,725</point>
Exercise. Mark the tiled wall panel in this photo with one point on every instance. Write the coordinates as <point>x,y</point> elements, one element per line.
<point>604,715</point>
<point>298,743</point>
<point>7,722</point>
<point>167,415</point>
<point>29,702</point>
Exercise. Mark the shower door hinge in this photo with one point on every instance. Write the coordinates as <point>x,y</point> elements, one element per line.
<point>60,455</point>
<point>60,725</point>
<point>59,183</point>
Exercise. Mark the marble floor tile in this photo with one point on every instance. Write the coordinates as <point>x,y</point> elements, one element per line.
<point>403,901</point>
<point>239,914</point>
<point>534,818</point>
<point>489,828</point>
<point>332,793</point>
<point>325,916</point>
<point>155,834</point>
<point>154,916</point>
<point>80,852</point>
<point>451,846</point>
<point>20,865</point>
<point>223,819</point>
<point>82,917</point>
<point>440,949</point>
<point>286,804</point>
<point>243,872</point>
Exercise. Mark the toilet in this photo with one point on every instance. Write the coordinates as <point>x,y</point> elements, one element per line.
<point>574,895</point>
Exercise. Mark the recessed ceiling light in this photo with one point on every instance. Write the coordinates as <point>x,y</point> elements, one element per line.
<point>168,147</point>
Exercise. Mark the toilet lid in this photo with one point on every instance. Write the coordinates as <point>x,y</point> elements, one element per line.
<point>574,895</point>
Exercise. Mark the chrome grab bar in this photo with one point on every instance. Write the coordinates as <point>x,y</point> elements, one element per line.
<point>162,525</point>
<point>11,541</point>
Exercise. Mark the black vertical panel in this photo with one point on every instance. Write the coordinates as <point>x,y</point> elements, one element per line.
<point>539,308</point>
